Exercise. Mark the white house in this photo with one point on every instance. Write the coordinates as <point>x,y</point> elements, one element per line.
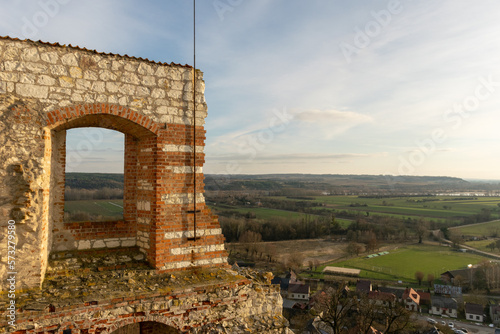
<point>474,312</point>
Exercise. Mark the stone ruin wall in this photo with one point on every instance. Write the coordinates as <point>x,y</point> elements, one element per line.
<point>245,302</point>
<point>46,89</point>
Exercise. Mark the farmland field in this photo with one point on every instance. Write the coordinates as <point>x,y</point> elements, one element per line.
<point>482,229</point>
<point>108,209</point>
<point>262,213</point>
<point>402,263</point>
<point>437,208</point>
<point>481,245</point>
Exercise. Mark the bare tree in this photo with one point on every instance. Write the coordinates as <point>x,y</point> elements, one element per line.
<point>334,306</point>
<point>419,276</point>
<point>343,311</point>
<point>397,317</point>
<point>354,248</point>
<point>250,240</point>
<point>295,261</point>
<point>430,279</point>
<point>422,228</point>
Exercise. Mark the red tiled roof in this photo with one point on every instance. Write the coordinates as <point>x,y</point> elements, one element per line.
<point>93,51</point>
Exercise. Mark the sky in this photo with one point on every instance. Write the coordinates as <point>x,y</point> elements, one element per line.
<point>395,87</point>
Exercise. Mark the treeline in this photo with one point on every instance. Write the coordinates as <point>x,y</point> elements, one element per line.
<point>71,194</point>
<point>94,180</point>
<point>278,228</point>
<point>369,231</point>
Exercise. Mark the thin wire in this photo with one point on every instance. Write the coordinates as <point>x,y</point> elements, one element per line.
<point>194,116</point>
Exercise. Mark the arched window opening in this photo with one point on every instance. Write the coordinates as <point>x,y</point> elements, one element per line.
<point>147,327</point>
<point>94,180</point>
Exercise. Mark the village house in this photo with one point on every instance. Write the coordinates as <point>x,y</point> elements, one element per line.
<point>474,312</point>
<point>495,314</point>
<point>381,298</point>
<point>298,291</point>
<point>395,291</point>
<point>363,286</point>
<point>411,300</point>
<point>425,301</point>
<point>444,306</point>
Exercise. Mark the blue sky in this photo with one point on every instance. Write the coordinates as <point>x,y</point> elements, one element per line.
<point>358,87</point>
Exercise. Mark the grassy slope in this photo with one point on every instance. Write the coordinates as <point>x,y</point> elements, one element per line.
<point>401,264</point>
<point>97,207</point>
<point>479,230</point>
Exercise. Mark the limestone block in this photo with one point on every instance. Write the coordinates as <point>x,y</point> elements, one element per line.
<point>36,68</point>
<point>33,91</point>
<point>145,69</point>
<point>10,53</point>
<point>69,59</point>
<point>149,80</point>
<point>90,75</point>
<point>58,70</point>
<point>112,243</point>
<point>84,244</point>
<point>106,75</point>
<point>30,54</point>
<point>131,66</point>
<point>128,243</point>
<point>127,89</point>
<point>142,91</point>
<point>83,84</point>
<point>76,72</point>
<point>66,82</point>
<point>99,86</point>
<point>50,57</point>
<point>28,78</point>
<point>112,87</point>
<point>131,78</point>
<point>46,80</point>
<point>99,244</point>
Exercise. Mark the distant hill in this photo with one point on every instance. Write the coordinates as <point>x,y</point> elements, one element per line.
<point>330,183</point>
<point>94,180</point>
<point>334,182</point>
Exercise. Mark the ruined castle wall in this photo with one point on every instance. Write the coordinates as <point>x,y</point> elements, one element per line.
<point>235,304</point>
<point>47,89</point>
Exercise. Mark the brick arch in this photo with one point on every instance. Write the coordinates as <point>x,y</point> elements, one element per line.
<point>103,115</point>
<point>157,319</point>
<point>141,147</point>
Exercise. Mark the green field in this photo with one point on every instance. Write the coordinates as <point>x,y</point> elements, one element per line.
<point>481,245</point>
<point>483,229</point>
<point>108,209</point>
<point>260,213</point>
<point>437,208</point>
<point>402,263</point>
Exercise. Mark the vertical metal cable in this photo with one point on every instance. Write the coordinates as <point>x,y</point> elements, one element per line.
<point>194,117</point>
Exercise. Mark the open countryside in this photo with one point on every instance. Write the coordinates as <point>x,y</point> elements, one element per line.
<point>401,263</point>
<point>295,222</point>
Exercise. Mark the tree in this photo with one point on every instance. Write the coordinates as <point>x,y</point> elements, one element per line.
<point>353,248</point>
<point>422,228</point>
<point>250,239</point>
<point>344,312</point>
<point>492,246</point>
<point>419,276</point>
<point>430,279</point>
<point>334,305</point>
<point>459,280</point>
<point>397,317</point>
<point>295,261</point>
<point>445,232</point>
